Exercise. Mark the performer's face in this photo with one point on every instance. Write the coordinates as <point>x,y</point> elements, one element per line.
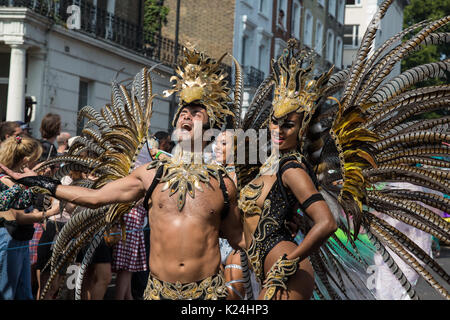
<point>192,119</point>
<point>223,148</point>
<point>285,136</point>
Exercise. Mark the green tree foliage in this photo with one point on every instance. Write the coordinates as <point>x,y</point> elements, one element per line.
<point>155,16</point>
<point>420,10</point>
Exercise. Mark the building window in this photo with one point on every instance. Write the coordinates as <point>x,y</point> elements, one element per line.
<point>262,6</point>
<point>307,35</point>
<point>338,61</point>
<point>82,101</point>
<point>332,7</point>
<point>330,46</point>
<point>295,22</point>
<point>321,2</point>
<point>341,11</point>
<point>319,38</point>
<point>261,52</point>
<point>351,35</point>
<point>243,52</point>
<point>281,20</point>
<point>280,45</point>
<point>352,2</point>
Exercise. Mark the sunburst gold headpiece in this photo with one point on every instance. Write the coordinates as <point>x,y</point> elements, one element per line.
<point>296,90</point>
<point>201,80</point>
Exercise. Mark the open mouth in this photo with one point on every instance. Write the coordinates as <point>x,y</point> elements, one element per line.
<point>277,139</point>
<point>186,126</point>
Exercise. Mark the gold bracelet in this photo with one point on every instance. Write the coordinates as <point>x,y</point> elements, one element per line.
<point>278,275</point>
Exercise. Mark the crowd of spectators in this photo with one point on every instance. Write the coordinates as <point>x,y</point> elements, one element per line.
<point>30,223</point>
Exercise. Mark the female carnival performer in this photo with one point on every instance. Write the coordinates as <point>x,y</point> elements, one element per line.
<point>340,153</point>
<point>270,199</point>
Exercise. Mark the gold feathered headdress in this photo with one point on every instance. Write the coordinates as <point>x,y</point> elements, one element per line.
<point>296,90</point>
<point>201,80</point>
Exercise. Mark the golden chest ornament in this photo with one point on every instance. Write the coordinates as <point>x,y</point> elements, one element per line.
<point>183,175</point>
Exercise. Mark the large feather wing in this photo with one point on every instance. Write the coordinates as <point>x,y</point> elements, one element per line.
<point>107,150</point>
<point>371,139</point>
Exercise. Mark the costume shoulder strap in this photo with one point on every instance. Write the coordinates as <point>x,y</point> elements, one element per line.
<point>152,187</point>
<point>288,163</point>
<point>226,198</point>
<point>293,162</point>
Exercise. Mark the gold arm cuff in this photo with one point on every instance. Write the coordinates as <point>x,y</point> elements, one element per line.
<point>278,275</point>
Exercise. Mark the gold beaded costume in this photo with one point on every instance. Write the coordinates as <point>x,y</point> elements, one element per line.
<point>211,288</point>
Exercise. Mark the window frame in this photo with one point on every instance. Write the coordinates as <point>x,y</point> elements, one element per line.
<point>338,53</point>
<point>284,8</point>
<point>332,13</point>
<point>318,49</point>
<point>332,46</point>
<point>357,4</point>
<point>305,41</point>
<point>295,29</point>
<point>355,36</point>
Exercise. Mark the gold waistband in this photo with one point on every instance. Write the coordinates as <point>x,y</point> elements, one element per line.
<point>211,288</point>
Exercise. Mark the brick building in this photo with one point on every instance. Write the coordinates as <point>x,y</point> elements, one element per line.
<point>207,24</point>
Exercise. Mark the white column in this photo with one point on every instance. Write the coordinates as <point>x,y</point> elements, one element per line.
<point>15,110</point>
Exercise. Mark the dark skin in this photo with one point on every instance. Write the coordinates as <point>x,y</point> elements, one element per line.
<point>300,285</point>
<point>185,244</point>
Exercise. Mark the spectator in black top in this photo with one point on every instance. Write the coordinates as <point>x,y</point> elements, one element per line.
<point>50,129</point>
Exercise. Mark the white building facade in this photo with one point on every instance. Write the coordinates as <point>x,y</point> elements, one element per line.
<point>358,15</point>
<point>64,69</point>
<point>252,42</point>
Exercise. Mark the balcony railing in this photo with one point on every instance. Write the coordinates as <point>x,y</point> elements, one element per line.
<point>101,24</point>
<point>252,76</point>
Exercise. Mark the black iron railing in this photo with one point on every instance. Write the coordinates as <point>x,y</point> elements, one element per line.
<point>252,76</point>
<point>101,24</point>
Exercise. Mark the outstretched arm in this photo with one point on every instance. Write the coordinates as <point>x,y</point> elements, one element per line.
<point>122,190</point>
<point>299,182</point>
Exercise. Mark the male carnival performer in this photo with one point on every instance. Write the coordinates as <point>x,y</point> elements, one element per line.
<point>189,203</point>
